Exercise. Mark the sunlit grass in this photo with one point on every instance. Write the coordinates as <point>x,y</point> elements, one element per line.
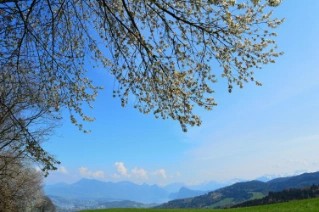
<point>298,205</point>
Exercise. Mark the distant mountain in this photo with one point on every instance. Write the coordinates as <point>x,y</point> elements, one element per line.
<point>201,188</point>
<point>266,178</point>
<point>241,192</point>
<point>173,187</point>
<point>87,189</point>
<point>185,193</point>
<point>209,186</point>
<point>88,193</point>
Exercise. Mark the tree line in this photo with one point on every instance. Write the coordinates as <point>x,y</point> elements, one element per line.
<point>284,196</point>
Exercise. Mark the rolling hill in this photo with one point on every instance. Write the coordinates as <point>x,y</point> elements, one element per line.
<point>299,205</point>
<point>241,192</point>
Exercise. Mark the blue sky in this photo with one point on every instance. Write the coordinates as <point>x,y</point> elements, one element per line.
<point>271,130</point>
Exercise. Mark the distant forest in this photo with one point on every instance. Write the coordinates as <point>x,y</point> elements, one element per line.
<point>283,196</point>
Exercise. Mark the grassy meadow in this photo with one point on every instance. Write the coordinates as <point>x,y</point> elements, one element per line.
<point>298,205</point>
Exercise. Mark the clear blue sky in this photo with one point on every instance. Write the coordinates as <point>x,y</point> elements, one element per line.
<point>256,131</point>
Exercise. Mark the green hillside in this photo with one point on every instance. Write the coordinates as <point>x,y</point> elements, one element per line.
<point>300,205</point>
<point>283,196</point>
<point>224,197</point>
<point>243,191</point>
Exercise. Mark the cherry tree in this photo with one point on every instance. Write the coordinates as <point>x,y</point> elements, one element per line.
<point>165,57</point>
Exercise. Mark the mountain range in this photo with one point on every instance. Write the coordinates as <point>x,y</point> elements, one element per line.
<point>243,191</point>
<point>89,193</point>
<point>88,189</point>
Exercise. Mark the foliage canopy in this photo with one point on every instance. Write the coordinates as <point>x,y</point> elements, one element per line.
<point>159,52</point>
<point>21,186</point>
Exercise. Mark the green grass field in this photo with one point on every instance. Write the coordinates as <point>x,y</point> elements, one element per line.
<point>299,205</point>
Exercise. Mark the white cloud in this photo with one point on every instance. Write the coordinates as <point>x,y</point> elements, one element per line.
<point>139,173</point>
<point>98,174</point>
<point>62,170</point>
<point>121,169</point>
<point>85,172</point>
<point>161,173</point>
